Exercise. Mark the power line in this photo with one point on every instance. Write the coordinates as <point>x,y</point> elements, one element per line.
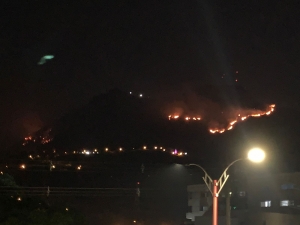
<point>84,188</point>
<point>84,192</point>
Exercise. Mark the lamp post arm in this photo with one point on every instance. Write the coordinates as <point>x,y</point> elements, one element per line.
<point>224,177</point>
<point>198,166</point>
<point>233,163</point>
<point>207,179</point>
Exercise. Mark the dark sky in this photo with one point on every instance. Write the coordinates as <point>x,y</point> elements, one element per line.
<point>145,46</point>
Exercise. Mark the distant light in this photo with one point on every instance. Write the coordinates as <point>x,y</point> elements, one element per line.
<point>155,147</point>
<point>256,155</point>
<point>185,153</point>
<point>87,152</point>
<point>106,149</point>
<point>1,172</point>
<point>164,150</point>
<point>30,156</point>
<point>230,193</point>
<point>141,95</point>
<point>95,150</point>
<point>19,199</point>
<point>120,149</point>
<point>145,147</point>
<point>67,209</point>
<point>79,167</point>
<point>22,166</point>
<point>53,166</point>
<point>134,221</point>
<point>160,148</point>
<point>130,93</point>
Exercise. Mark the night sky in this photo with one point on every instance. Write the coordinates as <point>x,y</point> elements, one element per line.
<point>142,46</point>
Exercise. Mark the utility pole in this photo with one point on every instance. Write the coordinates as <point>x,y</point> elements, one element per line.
<point>137,203</point>
<point>215,203</point>
<point>51,167</point>
<point>228,208</point>
<point>48,191</point>
<point>142,168</point>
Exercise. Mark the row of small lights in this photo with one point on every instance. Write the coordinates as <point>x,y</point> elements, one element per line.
<point>23,167</point>
<point>140,95</point>
<point>95,151</point>
<point>175,152</point>
<point>86,152</point>
<point>120,149</point>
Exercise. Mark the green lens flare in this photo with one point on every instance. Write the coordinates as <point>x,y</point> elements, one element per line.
<point>45,58</point>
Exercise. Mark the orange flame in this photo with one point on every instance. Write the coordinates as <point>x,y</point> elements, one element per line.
<point>239,117</point>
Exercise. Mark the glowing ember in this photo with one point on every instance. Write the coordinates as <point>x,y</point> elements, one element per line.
<point>233,122</point>
<point>256,115</point>
<point>186,118</point>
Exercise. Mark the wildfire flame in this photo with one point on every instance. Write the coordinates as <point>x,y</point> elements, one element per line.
<point>186,118</point>
<point>45,139</point>
<point>230,126</point>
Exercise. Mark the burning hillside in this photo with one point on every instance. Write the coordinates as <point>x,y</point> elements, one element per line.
<point>101,122</point>
<point>41,137</point>
<point>231,115</point>
<point>220,108</point>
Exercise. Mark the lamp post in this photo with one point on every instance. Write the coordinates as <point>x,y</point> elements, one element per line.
<point>215,186</point>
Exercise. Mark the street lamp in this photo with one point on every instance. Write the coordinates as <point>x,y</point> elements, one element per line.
<point>255,155</point>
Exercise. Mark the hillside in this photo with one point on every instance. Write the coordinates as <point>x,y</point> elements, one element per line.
<point>117,119</point>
